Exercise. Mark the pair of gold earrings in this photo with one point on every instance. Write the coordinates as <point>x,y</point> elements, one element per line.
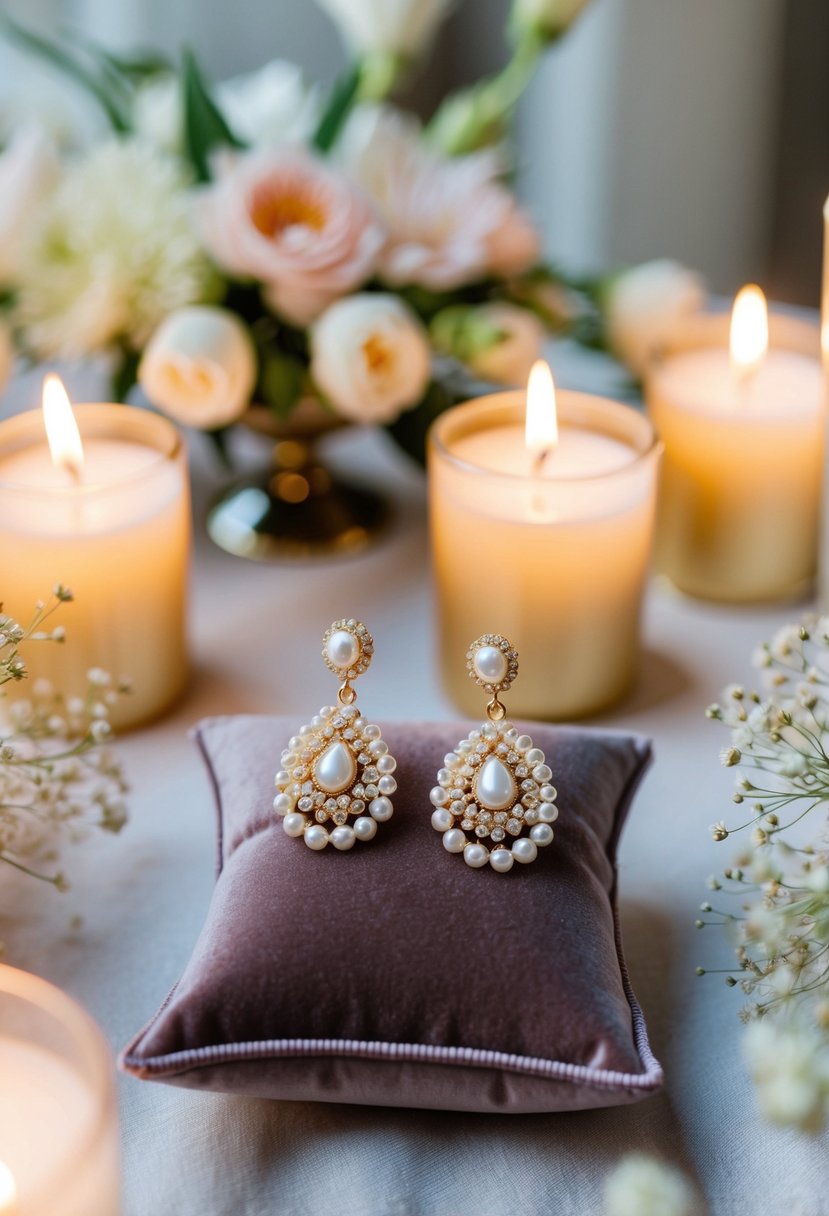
<point>494,801</point>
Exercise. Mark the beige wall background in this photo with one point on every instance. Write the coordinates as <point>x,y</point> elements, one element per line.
<point>697,129</point>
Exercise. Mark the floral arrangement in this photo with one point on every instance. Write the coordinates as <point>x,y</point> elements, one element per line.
<point>259,242</point>
<point>57,774</point>
<point>780,751</point>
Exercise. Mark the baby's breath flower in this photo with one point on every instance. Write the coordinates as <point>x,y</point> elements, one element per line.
<point>642,1186</point>
<point>54,777</point>
<point>790,1069</point>
<point>782,931</point>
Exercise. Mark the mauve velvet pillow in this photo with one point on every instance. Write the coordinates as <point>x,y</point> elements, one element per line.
<point>396,975</point>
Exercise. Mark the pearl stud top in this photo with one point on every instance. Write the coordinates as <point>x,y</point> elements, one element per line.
<point>347,647</point>
<point>343,649</point>
<point>492,662</point>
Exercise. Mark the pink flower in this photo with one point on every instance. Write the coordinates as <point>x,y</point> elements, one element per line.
<point>450,220</point>
<point>300,228</point>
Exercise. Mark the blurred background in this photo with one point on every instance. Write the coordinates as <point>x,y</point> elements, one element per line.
<point>697,129</point>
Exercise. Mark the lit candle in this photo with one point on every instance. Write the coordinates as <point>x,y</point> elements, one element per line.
<point>742,422</point>
<point>8,1191</point>
<point>98,500</point>
<point>58,1126</point>
<point>824,350</point>
<point>541,523</point>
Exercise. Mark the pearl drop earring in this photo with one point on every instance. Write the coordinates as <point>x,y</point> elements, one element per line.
<point>495,784</point>
<point>338,769</point>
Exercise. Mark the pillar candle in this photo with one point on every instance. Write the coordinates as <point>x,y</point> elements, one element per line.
<point>551,552</point>
<point>58,1125</point>
<point>741,477</point>
<point>115,531</point>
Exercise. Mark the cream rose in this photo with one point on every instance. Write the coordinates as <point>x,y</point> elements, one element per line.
<point>370,356</point>
<point>294,224</point>
<point>28,170</point>
<point>200,367</point>
<point>645,305</point>
<point>509,359</point>
<point>450,219</point>
<point>393,27</point>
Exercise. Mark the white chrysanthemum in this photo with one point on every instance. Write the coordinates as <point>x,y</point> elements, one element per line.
<point>113,254</point>
<point>643,1186</point>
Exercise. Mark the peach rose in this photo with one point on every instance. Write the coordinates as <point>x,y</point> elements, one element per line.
<point>300,228</point>
<point>451,220</point>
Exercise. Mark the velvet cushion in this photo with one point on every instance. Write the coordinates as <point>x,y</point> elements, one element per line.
<point>396,975</point>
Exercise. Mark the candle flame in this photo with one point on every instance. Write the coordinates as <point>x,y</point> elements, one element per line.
<point>61,428</point>
<point>749,331</point>
<point>8,1189</point>
<point>541,430</point>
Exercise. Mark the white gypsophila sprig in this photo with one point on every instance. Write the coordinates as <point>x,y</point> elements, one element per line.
<point>778,749</point>
<point>58,777</point>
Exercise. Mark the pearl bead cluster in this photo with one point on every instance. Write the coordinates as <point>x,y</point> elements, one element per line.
<point>347,647</point>
<point>306,806</point>
<point>492,663</point>
<point>459,810</point>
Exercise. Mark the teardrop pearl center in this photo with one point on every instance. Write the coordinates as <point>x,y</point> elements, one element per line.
<point>335,769</point>
<point>495,786</point>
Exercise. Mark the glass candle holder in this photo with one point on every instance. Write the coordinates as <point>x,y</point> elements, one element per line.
<point>58,1120</point>
<point>119,537</point>
<point>740,488</point>
<point>556,564</point>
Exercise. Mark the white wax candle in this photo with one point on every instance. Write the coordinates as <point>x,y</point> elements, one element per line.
<point>117,535</point>
<point>555,561</point>
<point>786,388</point>
<point>578,453</point>
<point>62,1162</point>
<point>741,476</point>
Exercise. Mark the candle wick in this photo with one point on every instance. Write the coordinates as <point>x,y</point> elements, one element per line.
<point>74,471</point>
<point>745,376</point>
<point>540,460</point>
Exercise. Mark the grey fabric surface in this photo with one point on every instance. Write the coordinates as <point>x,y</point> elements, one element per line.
<point>143,897</point>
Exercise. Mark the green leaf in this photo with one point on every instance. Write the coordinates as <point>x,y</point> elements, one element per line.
<point>219,440</point>
<point>340,103</point>
<point>50,51</point>
<point>409,431</point>
<point>125,376</point>
<point>124,71</point>
<point>281,381</point>
<point>204,124</point>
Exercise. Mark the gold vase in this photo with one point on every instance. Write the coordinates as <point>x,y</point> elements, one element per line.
<point>296,508</point>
